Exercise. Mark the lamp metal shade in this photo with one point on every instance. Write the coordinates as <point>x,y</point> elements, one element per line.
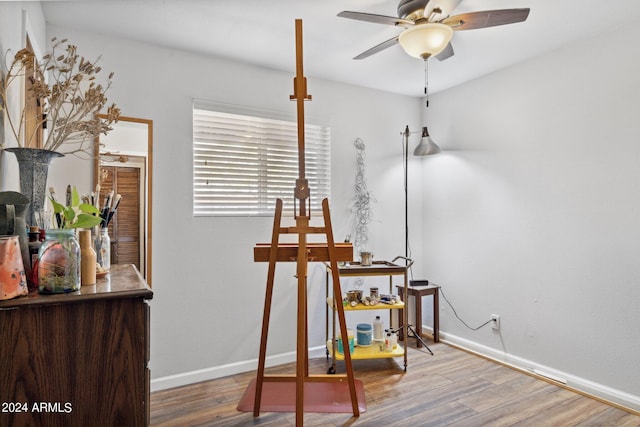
<point>426,147</point>
<point>425,40</point>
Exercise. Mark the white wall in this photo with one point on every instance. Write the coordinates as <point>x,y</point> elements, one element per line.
<point>532,213</point>
<point>208,292</point>
<point>130,138</point>
<point>16,20</point>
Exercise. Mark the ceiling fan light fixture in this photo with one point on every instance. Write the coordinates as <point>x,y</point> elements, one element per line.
<point>425,40</point>
<point>426,147</point>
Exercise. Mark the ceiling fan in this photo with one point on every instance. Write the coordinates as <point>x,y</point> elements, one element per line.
<point>428,26</point>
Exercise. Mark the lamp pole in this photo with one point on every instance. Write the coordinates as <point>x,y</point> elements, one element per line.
<point>426,147</point>
<point>406,194</point>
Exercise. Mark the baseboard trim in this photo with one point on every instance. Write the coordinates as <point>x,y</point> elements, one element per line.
<point>192,377</point>
<point>616,398</point>
<point>585,387</point>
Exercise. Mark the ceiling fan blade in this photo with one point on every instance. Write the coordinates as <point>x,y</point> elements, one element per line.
<point>446,53</point>
<point>376,19</point>
<point>486,18</point>
<point>378,48</point>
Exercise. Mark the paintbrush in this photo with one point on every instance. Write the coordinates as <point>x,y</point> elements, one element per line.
<point>105,208</point>
<point>96,201</point>
<point>68,195</point>
<point>116,202</point>
<point>52,191</point>
<point>107,199</point>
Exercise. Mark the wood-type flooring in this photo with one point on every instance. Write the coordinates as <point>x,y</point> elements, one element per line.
<point>451,388</point>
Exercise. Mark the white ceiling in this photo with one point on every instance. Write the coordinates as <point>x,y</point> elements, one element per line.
<point>262,32</point>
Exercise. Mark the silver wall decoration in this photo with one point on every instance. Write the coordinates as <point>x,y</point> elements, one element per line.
<point>362,200</point>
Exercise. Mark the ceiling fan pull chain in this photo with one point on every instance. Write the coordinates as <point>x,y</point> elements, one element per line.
<point>426,81</point>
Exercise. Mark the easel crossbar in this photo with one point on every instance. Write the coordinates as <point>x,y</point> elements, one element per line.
<point>310,378</point>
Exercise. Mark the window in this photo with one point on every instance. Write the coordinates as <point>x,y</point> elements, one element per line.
<point>242,163</point>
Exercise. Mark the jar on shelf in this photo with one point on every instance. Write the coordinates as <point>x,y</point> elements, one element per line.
<point>364,334</point>
<point>102,244</point>
<point>59,262</point>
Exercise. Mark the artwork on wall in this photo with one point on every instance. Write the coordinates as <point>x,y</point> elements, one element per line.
<point>362,200</point>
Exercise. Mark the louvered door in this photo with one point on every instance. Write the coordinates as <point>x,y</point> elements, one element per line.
<point>124,229</point>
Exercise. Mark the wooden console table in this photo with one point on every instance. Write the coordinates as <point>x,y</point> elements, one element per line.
<point>77,359</point>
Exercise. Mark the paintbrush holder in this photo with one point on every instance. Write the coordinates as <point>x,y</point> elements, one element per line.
<point>102,245</point>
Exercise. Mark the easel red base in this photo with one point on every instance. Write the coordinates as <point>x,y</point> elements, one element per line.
<point>324,397</point>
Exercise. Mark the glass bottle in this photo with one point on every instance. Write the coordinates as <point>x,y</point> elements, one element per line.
<point>102,245</point>
<point>59,262</point>
<point>378,328</point>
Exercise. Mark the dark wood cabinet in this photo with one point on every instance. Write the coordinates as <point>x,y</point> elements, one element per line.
<point>77,359</point>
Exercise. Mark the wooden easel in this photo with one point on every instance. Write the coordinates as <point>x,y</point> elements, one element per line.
<point>302,253</point>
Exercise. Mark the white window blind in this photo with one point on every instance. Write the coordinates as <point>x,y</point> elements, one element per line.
<point>242,164</point>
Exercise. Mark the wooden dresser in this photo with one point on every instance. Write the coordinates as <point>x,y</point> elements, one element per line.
<point>77,359</point>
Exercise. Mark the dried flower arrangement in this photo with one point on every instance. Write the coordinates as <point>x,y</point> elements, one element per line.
<point>70,103</point>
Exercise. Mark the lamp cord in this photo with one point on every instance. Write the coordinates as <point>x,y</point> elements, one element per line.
<point>458,317</point>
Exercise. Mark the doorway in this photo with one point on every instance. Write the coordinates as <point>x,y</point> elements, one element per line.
<point>124,163</point>
<point>125,230</point>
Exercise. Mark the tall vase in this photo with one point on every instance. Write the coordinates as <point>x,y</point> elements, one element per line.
<point>34,165</point>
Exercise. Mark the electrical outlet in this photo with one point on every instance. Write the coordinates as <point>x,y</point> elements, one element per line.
<point>496,322</point>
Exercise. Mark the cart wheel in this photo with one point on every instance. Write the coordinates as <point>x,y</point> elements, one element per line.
<point>331,370</point>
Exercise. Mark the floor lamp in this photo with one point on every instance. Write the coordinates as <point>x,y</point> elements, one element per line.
<point>426,147</point>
